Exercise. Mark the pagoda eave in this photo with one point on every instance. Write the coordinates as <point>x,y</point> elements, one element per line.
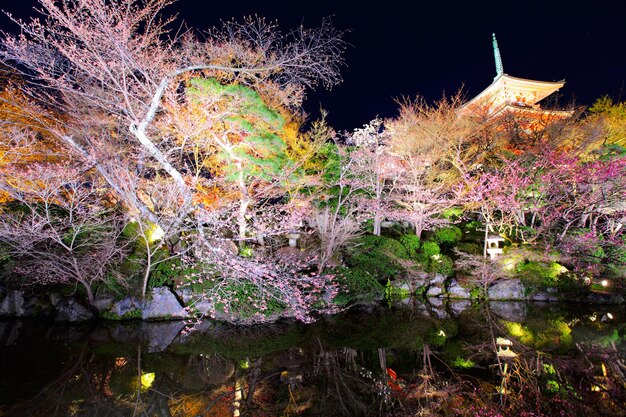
<point>506,89</point>
<point>510,108</point>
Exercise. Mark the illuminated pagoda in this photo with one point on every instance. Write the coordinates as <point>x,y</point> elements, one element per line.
<point>511,95</point>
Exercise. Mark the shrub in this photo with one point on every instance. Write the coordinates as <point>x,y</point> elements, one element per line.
<point>378,264</point>
<point>411,243</point>
<point>447,235</point>
<point>164,273</point>
<point>471,248</point>
<point>243,300</point>
<point>394,293</point>
<point>441,264</point>
<point>393,247</point>
<point>135,314</point>
<point>354,282</point>
<point>429,249</point>
<point>539,275</point>
<point>374,254</point>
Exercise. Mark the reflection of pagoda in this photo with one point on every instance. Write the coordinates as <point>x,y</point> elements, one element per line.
<point>512,95</point>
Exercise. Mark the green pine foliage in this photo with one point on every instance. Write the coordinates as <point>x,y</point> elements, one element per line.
<point>447,235</point>
<point>430,249</point>
<point>259,142</point>
<point>411,243</point>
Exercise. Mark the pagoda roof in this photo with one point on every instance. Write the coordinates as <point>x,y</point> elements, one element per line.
<point>507,90</point>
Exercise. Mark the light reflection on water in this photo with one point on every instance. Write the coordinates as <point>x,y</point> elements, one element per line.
<point>372,360</point>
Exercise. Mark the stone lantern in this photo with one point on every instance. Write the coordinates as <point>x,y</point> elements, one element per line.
<point>494,246</point>
<point>293,239</point>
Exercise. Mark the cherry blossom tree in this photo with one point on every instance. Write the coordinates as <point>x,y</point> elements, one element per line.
<point>378,170</point>
<point>340,214</point>
<point>432,144</point>
<point>111,68</point>
<point>59,228</point>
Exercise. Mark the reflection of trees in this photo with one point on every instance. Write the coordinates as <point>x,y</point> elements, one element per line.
<point>342,390</point>
<point>403,372</point>
<point>93,385</point>
<point>588,381</point>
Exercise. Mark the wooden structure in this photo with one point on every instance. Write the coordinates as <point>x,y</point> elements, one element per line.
<point>513,95</point>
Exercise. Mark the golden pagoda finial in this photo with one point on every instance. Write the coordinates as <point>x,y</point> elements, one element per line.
<point>496,54</point>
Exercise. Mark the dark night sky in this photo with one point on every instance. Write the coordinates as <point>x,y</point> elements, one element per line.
<point>403,48</point>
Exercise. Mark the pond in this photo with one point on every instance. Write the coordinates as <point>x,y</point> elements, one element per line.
<point>409,359</point>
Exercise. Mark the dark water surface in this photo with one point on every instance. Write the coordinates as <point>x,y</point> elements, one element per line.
<point>374,360</point>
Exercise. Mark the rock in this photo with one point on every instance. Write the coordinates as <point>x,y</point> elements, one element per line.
<point>413,284</point>
<point>69,309</point>
<point>124,307</point>
<point>103,304</point>
<point>12,304</point>
<point>160,335</point>
<point>33,306</point>
<point>437,279</point>
<point>434,291</point>
<point>437,308</point>
<point>509,310</point>
<point>124,332</point>
<point>455,290</point>
<point>200,305</point>
<point>600,298</point>
<point>55,298</point>
<point>543,297</point>
<point>456,307</point>
<point>506,289</point>
<point>163,304</point>
<point>186,294</point>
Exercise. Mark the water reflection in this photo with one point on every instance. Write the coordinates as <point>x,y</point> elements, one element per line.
<point>413,359</point>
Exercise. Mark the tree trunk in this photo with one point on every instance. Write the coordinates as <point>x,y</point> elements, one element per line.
<point>242,222</point>
<point>377,222</point>
<point>88,290</point>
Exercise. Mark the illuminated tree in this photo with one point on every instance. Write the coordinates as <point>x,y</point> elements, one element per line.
<point>58,226</point>
<point>430,142</point>
<point>110,69</point>
<point>378,170</point>
<point>240,148</point>
<point>612,119</point>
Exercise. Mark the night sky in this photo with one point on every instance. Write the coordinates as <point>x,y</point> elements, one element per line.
<point>402,48</point>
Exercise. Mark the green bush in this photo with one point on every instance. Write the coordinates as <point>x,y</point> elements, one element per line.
<point>411,243</point>
<point>616,257</point>
<point>393,247</point>
<point>244,300</point>
<point>441,264</point>
<point>429,249</point>
<point>447,235</point>
<point>383,244</point>
<point>378,264</point>
<point>356,281</point>
<point>164,273</point>
<point>394,293</point>
<point>540,275</point>
<point>375,254</point>
<point>471,248</point>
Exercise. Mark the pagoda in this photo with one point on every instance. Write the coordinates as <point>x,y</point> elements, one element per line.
<point>513,96</point>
